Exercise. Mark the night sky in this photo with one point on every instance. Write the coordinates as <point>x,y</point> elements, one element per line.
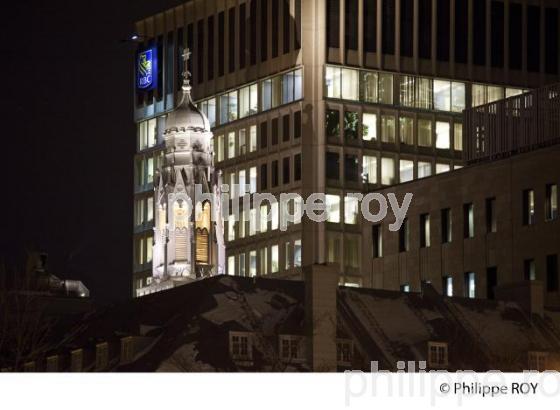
<point>68,137</point>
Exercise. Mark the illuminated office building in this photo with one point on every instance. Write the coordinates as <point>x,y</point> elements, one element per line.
<point>331,96</point>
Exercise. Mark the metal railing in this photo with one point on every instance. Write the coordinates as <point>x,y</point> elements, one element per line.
<point>511,126</point>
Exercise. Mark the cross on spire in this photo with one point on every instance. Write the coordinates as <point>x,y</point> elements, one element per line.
<point>186,73</point>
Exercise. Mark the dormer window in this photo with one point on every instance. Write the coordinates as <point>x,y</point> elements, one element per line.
<point>437,355</point>
<point>77,360</point>
<point>241,346</point>
<point>344,350</point>
<point>538,361</point>
<point>291,348</point>
<point>101,356</point>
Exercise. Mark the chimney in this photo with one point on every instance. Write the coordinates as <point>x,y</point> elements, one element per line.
<point>528,294</point>
<point>321,285</point>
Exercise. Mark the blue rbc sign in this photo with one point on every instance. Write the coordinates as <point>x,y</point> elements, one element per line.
<point>146,70</point>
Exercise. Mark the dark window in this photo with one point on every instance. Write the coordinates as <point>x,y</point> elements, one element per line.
<point>297,124</point>
<point>169,77</point>
<point>351,168</point>
<point>446,227</point>
<point>529,271</point>
<point>479,32</point>
<point>443,27</point>
<point>231,31</point>
<point>242,39</point>
<point>370,25</point>
<point>377,240</point>
<point>286,128</point>
<point>461,31</point>
<point>491,282</point>
<point>286,170</point>
<point>497,14</point>
<point>515,35</point>
<point>200,51</point>
<point>274,173</point>
<point>425,28</point>
<point>264,30</point>
<point>468,220</point>
<point>351,24</point>
<point>286,25</point>
<point>253,35</point>
<point>179,59</point>
<point>275,16</point>
<point>159,94</point>
<point>533,38</point>
<point>297,167</point>
<point>333,123</point>
<point>491,223</point>
<point>264,134</point>
<point>404,236</point>
<point>190,46</point>
<point>298,25</point>
<point>552,273</point>
<point>551,41</point>
<point>264,176</point>
<point>425,230</point>
<point>388,27</point>
<point>274,126</point>
<point>333,23</point>
<point>407,27</point>
<point>211,49</point>
<point>333,165</point>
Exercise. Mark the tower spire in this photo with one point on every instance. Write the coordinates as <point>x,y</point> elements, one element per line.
<point>186,73</point>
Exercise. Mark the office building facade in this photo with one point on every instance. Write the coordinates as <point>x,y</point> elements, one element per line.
<point>329,96</point>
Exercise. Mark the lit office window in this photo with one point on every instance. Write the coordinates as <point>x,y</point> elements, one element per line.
<point>512,92</point>
<point>149,248</point>
<point>252,222</point>
<point>253,263</point>
<point>297,253</point>
<point>385,90</point>
<point>369,127</point>
<point>551,207</point>
<point>242,141</point>
<point>142,135</point>
<point>369,169</point>
<point>405,288</point>
<point>333,208</point>
<point>150,209</point>
<point>491,223</point>
<point>220,147</point>
<point>291,86</point>
<point>274,215</point>
<point>416,92</point>
<point>528,207</point>
<point>351,205</point>
<point>248,101</point>
<point>242,182</point>
<point>241,224</point>
<point>387,128</point>
<point>458,136</point>
<point>232,182</point>
<point>298,84</point>
<point>333,248</point>
<point>442,95</point>
<point>368,87</point>
<point>406,170</point>
<point>332,80</point>
<point>253,180</point>
<point>151,171</point>
<point>152,132</point>
<point>263,218</point>
<point>468,220</point>
<point>470,285</point>
<point>253,138</point>
<point>406,87</point>
<point>406,130</point>
<point>351,122</point>
<point>274,259</point>
<point>387,171</point>
<point>478,95</point>
<point>442,135</point>
<point>529,269</point>
<point>231,266</point>
<point>287,256</point>
<point>494,93</point>
<point>424,169</point>
<point>458,99</point>
<point>350,84</point>
<point>424,133</point>
<point>352,251</point>
<point>263,256</point>
<point>211,111</point>
<point>448,286</point>
<point>425,231</point>
<point>298,210</point>
<point>446,226</point>
<point>242,265</point>
<point>231,228</point>
<point>377,239</point>
<point>441,168</point>
<point>231,145</point>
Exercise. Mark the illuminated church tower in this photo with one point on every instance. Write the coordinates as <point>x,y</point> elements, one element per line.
<point>188,244</point>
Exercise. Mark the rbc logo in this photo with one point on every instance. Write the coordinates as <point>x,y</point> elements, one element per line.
<point>147,66</point>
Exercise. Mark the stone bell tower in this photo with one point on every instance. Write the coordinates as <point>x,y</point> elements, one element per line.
<point>188,232</point>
